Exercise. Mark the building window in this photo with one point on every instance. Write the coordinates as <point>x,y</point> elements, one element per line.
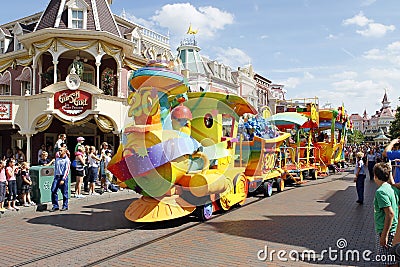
<point>77,19</point>
<point>85,71</point>
<point>26,88</point>
<point>2,47</point>
<point>5,89</point>
<point>18,45</point>
<point>77,14</point>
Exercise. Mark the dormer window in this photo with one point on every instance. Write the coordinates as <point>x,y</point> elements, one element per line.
<point>77,14</point>
<point>2,47</point>
<point>17,32</point>
<point>77,19</point>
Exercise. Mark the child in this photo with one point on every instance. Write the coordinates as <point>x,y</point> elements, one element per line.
<point>3,184</point>
<point>107,178</point>
<point>386,211</point>
<point>11,175</point>
<point>26,185</point>
<point>359,178</point>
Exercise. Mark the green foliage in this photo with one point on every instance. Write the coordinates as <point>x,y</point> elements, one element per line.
<point>394,129</point>
<point>108,82</point>
<point>47,78</point>
<point>79,67</point>
<point>356,137</point>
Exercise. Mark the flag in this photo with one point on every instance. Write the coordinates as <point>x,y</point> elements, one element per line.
<point>191,30</point>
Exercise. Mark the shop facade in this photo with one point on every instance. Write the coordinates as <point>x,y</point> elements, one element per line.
<point>66,70</point>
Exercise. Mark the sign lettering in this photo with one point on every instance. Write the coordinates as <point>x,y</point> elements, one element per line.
<point>5,110</point>
<point>72,103</point>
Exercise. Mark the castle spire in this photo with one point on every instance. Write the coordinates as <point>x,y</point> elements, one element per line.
<point>385,101</point>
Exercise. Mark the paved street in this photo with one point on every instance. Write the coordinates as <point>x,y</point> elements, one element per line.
<point>320,215</point>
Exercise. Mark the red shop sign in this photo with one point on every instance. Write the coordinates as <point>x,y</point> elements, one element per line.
<point>72,103</point>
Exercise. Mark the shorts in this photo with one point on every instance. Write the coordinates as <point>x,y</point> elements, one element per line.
<point>80,173</point>
<point>26,188</point>
<point>383,254</point>
<point>2,191</point>
<point>93,174</point>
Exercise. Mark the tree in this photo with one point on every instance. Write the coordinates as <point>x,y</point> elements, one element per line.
<point>394,129</point>
<point>356,137</point>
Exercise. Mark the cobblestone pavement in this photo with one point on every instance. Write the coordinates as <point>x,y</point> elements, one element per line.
<point>319,215</point>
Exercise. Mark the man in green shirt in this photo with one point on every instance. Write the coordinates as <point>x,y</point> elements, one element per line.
<point>386,211</point>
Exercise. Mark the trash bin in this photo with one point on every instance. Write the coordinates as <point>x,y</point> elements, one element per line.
<point>42,179</point>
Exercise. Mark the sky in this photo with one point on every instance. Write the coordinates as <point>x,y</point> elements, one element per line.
<point>340,51</point>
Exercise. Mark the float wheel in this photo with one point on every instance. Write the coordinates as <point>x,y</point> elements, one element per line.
<point>267,189</point>
<point>241,187</point>
<point>224,199</point>
<point>204,212</point>
<point>280,184</point>
<point>313,174</point>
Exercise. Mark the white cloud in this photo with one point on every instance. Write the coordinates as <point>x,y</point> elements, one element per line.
<point>368,2</point>
<point>359,20</point>
<point>207,19</point>
<point>384,74</point>
<point>394,47</point>
<point>390,54</point>
<point>345,75</point>
<point>264,37</point>
<point>332,37</point>
<point>233,57</point>
<point>355,94</point>
<point>370,28</point>
<point>293,82</point>
<point>376,30</point>
<point>140,21</point>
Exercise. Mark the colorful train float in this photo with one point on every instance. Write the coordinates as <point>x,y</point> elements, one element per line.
<point>299,117</point>
<point>331,146</point>
<point>182,153</point>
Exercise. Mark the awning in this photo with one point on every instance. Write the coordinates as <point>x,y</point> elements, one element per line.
<point>5,79</point>
<point>25,76</point>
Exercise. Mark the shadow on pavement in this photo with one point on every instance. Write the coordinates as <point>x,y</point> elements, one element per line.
<point>97,217</point>
<point>346,222</point>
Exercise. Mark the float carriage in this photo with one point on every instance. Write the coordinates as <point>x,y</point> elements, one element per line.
<point>299,155</point>
<point>331,149</point>
<point>178,153</point>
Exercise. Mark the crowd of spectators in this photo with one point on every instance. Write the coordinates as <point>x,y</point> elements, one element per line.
<point>88,169</point>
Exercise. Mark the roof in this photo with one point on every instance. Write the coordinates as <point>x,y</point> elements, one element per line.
<point>356,117</point>
<point>99,16</point>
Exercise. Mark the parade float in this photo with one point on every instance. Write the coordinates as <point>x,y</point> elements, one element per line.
<point>337,123</point>
<point>179,151</point>
<point>259,151</point>
<point>300,118</point>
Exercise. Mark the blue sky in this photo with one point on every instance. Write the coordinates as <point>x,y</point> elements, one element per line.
<point>341,51</point>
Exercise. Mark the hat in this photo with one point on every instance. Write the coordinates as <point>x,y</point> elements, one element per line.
<point>80,138</point>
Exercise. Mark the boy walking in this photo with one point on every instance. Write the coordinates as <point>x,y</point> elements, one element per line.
<point>386,212</point>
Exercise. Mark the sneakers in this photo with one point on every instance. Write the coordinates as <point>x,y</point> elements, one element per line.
<point>94,194</point>
<point>80,196</point>
<point>54,209</point>
<point>16,208</point>
<point>2,210</point>
<point>26,205</point>
<point>32,203</point>
<point>64,209</point>
<point>10,208</point>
